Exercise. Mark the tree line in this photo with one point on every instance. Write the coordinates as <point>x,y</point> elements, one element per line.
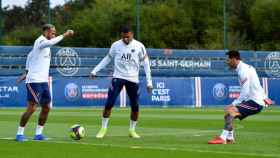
<point>180,24</point>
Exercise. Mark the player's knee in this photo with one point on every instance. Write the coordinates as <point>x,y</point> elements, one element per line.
<point>226,110</point>
<point>32,103</point>
<point>108,107</point>
<point>31,109</point>
<point>231,112</point>
<point>135,108</point>
<point>229,109</point>
<point>45,109</point>
<point>45,102</point>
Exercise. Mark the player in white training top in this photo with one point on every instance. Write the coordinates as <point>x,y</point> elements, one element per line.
<point>251,101</point>
<point>127,54</point>
<point>37,74</point>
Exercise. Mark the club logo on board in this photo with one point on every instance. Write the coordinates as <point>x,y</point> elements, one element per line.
<point>272,64</point>
<point>71,91</point>
<point>67,61</point>
<point>220,91</point>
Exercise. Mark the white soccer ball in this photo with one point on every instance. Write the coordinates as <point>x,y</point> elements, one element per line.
<point>77,132</point>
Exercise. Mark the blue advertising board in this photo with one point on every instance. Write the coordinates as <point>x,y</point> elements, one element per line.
<point>168,92</point>
<point>12,94</point>
<point>86,92</point>
<point>219,91</point>
<point>274,89</point>
<point>80,91</point>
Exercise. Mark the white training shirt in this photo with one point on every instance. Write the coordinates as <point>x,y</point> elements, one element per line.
<point>127,60</point>
<point>251,88</point>
<point>27,62</point>
<point>38,60</point>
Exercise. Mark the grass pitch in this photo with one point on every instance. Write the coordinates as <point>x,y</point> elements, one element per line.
<point>165,133</point>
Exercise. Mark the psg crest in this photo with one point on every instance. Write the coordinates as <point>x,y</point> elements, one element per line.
<point>67,61</point>
<point>272,64</point>
<point>220,91</point>
<point>71,92</point>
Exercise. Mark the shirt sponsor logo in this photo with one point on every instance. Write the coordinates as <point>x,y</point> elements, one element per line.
<point>67,61</point>
<point>220,91</point>
<point>126,57</point>
<point>272,64</point>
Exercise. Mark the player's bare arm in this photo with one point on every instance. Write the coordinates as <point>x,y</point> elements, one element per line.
<point>21,77</point>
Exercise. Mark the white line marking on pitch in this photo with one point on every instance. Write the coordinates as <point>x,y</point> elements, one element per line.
<point>8,138</point>
<point>158,147</point>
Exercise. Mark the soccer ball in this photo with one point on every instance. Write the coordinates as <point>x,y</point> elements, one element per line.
<point>77,132</point>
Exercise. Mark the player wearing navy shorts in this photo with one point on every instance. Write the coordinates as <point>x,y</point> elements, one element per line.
<point>127,54</point>
<point>251,101</point>
<point>37,75</point>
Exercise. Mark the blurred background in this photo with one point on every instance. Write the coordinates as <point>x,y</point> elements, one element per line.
<point>176,24</point>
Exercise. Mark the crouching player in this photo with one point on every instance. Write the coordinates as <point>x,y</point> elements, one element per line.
<point>251,101</point>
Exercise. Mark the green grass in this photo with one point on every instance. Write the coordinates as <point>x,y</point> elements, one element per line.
<point>166,133</point>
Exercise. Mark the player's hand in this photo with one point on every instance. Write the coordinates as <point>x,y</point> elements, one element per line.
<point>149,89</point>
<point>268,102</point>
<point>68,33</point>
<point>92,76</point>
<point>21,78</point>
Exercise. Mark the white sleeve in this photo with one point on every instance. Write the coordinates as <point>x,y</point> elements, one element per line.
<point>48,43</point>
<point>147,69</point>
<point>105,61</point>
<point>112,51</point>
<point>245,88</point>
<point>143,53</point>
<point>27,62</point>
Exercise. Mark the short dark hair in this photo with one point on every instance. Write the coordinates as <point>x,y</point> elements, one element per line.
<point>125,29</point>
<point>47,27</point>
<point>233,54</point>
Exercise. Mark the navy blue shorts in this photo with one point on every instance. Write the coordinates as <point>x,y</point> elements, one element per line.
<point>38,93</point>
<point>248,108</point>
<point>132,90</point>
